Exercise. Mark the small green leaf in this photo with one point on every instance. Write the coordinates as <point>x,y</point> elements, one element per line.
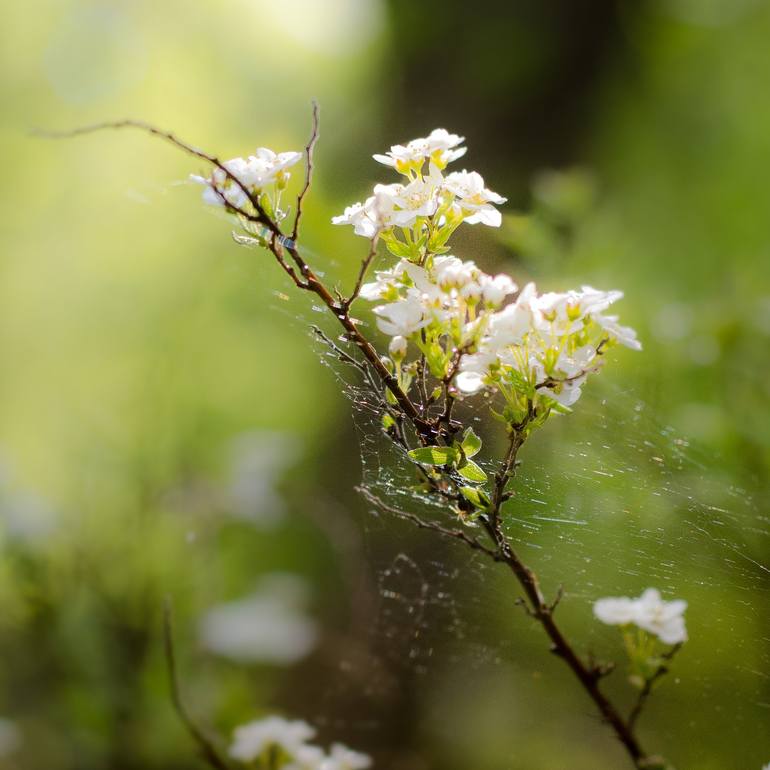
<point>434,455</point>
<point>399,249</point>
<point>471,443</point>
<point>387,422</point>
<point>472,472</point>
<point>478,497</point>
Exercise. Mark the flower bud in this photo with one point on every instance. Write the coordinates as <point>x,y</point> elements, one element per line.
<point>397,348</point>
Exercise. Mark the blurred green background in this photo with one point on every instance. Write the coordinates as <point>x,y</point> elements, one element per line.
<point>166,428</point>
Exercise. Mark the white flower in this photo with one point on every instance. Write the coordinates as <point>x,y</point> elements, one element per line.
<point>495,289</point>
<point>474,200</point>
<point>404,317</point>
<point>256,172</point>
<point>417,199</point>
<point>567,310</point>
<point>343,758</point>
<point>386,283</point>
<point>371,216</point>
<point>269,626</point>
<point>397,348</point>
<point>10,737</point>
<point>566,392</point>
<point>307,758</point>
<point>452,273</point>
<point>649,612</point>
<point>664,619</point>
<point>257,461</point>
<point>438,147</point>
<point>625,335</point>
<point>510,325</point>
<point>250,740</point>
<point>615,610</point>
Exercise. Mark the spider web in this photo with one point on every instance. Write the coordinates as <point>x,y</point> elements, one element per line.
<point>608,501</point>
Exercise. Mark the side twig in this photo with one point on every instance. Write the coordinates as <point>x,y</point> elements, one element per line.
<point>206,748</point>
<point>309,150</point>
<point>649,684</point>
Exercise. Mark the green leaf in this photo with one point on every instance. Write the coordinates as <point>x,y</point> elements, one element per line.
<point>472,472</point>
<point>434,455</point>
<point>478,497</point>
<point>471,443</point>
<point>399,249</point>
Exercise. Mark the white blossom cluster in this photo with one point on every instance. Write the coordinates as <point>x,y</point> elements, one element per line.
<point>427,206</point>
<point>263,175</point>
<point>473,328</point>
<point>648,612</point>
<point>537,347</point>
<point>275,743</point>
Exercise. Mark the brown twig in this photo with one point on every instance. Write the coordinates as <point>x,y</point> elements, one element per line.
<point>206,748</point>
<point>649,683</point>
<point>365,263</point>
<point>428,433</point>
<point>455,534</point>
<point>177,142</point>
<point>309,149</point>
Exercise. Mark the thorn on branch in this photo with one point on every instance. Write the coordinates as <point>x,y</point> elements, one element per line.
<point>520,602</point>
<point>555,603</point>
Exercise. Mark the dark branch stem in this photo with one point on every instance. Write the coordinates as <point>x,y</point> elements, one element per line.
<point>206,748</point>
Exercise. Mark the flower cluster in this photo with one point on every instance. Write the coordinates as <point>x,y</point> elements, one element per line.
<point>275,743</point>
<point>648,612</point>
<point>427,207</point>
<point>536,348</point>
<point>262,176</point>
<point>473,330</point>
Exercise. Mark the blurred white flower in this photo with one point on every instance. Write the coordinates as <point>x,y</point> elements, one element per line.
<point>615,610</point>
<point>342,758</point>
<point>24,514</point>
<point>250,740</point>
<point>269,626</point>
<point>10,737</point>
<point>649,612</point>
<point>306,758</point>
<point>664,619</point>
<point>625,335</point>
<point>256,461</point>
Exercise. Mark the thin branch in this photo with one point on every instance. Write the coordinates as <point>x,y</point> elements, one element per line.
<point>649,683</point>
<point>455,534</point>
<point>206,748</point>
<point>309,148</point>
<point>427,433</point>
<point>365,263</point>
<point>346,358</point>
<point>177,142</point>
